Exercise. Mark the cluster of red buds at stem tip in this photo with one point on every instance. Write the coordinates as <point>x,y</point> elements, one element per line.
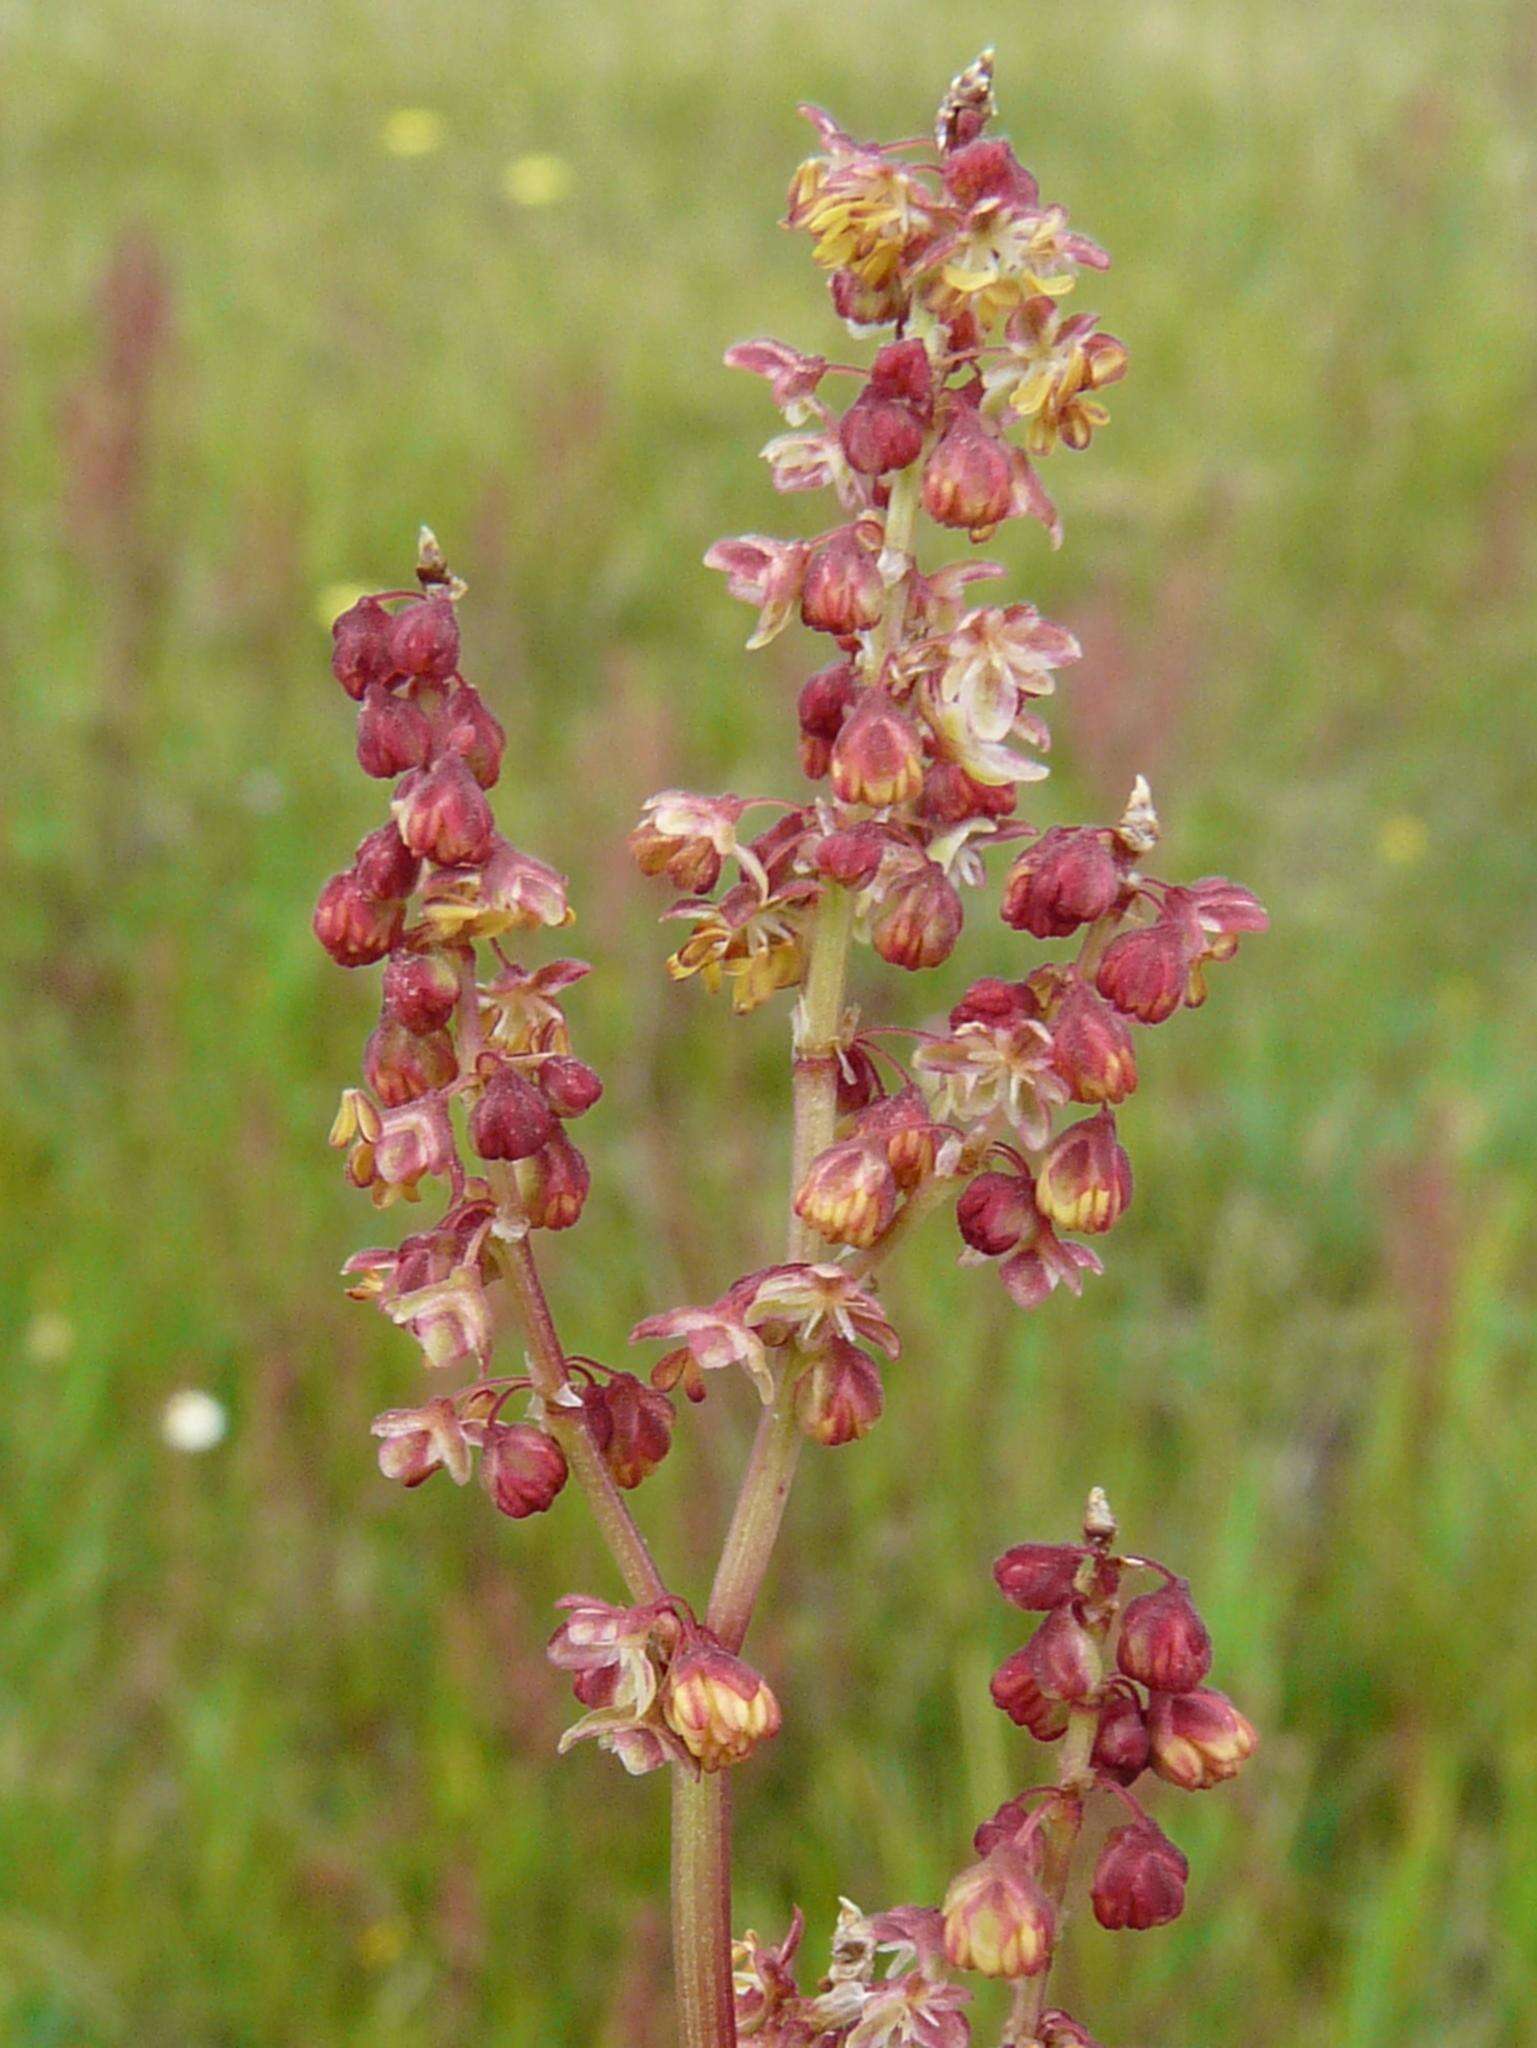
<point>918,725</point>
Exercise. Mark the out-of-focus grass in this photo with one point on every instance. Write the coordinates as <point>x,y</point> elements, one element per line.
<point>276,1742</point>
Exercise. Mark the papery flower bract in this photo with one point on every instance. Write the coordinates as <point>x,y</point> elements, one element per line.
<point>791,375</point>
<point>416,1442</point>
<point>450,1318</point>
<point>763,572</point>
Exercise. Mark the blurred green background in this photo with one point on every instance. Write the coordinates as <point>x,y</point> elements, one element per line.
<point>276,1741</point>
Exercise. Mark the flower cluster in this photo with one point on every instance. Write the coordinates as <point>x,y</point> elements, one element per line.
<point>468,1077</point>
<point>658,1687</point>
<point>1123,1688</point>
<point>887,1986</point>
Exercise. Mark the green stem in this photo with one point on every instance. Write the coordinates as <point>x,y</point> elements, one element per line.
<point>776,1446</point>
<point>701,1909</point>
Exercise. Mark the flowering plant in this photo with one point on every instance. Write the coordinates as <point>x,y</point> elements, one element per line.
<point>915,739</point>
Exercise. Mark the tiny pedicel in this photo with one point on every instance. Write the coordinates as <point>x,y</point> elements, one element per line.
<point>919,723</point>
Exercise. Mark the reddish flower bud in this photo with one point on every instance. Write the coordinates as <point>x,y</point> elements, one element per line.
<point>864,305</point>
<point>1068,878</point>
<point>399,1064</point>
<point>393,735</point>
<point>994,1002</point>
<point>424,639</point>
<point>879,434</point>
<point>474,734</point>
<point>521,1468</point>
<point>826,699</point>
<point>511,1120</point>
<point>998,1921</point>
<point>1004,1825</point>
<point>994,1213</point>
<point>853,858</point>
<point>568,1085</point>
<point>1084,1182</point>
<point>849,1194</point>
<point>1164,1644</point>
<point>385,866</point>
<point>443,815</point>
<point>843,593</point>
<point>1091,1048</point>
<point>1063,1657</point>
<point>859,1080</point>
<point>719,1708</point>
<point>1038,1576</point>
<point>902,370</point>
<point>877,757</point>
<point>360,647</point>
<point>839,1397</point>
<point>632,1424</point>
<point>554,1184</point>
<point>989,170</point>
<point>919,920</point>
<point>1139,1880</point>
<point>949,796</point>
<point>1146,973</point>
<point>354,927</point>
<point>1120,1742</point>
<point>1017,1693</point>
<point>1198,1738</point>
<point>969,479</point>
<point>903,1127</point>
<point>421,989</point>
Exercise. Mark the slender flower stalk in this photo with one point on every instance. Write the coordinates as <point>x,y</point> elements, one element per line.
<point>916,740</point>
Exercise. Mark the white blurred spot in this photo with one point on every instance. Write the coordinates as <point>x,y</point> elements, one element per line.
<point>50,1337</point>
<point>193,1420</point>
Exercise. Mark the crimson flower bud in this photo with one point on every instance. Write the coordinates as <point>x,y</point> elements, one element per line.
<point>443,815</point>
<point>998,1921</point>
<point>994,1002</point>
<point>902,370</point>
<point>994,1213</point>
<point>1164,1644</point>
<point>420,989</point>
<point>902,1125</point>
<point>1146,973</point>
<point>849,1194</point>
<point>554,1184</point>
<point>984,169</point>
<point>864,305</point>
<point>1038,1576</point>
<point>568,1085</point>
<point>1091,1048</point>
<point>843,593</point>
<point>632,1425</point>
<point>1063,1657</point>
<point>919,920</point>
<point>1004,1826</point>
<point>1199,1738</point>
<point>1084,1181</point>
<point>424,639</point>
<point>877,757</point>
<point>1120,1742</point>
<point>1068,878</point>
<point>878,434</point>
<point>853,858</point>
<point>399,1064</point>
<point>360,647</point>
<point>1060,2030</point>
<point>474,734</point>
<point>1139,1880</point>
<point>826,699</point>
<point>859,1080</point>
<point>393,734</point>
<point>839,1397</point>
<point>969,479</point>
<point>1016,1693</point>
<point>511,1120</point>
<point>354,927</point>
<point>521,1468</point>
<point>385,866</point>
<point>719,1708</point>
<point>949,796</point>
